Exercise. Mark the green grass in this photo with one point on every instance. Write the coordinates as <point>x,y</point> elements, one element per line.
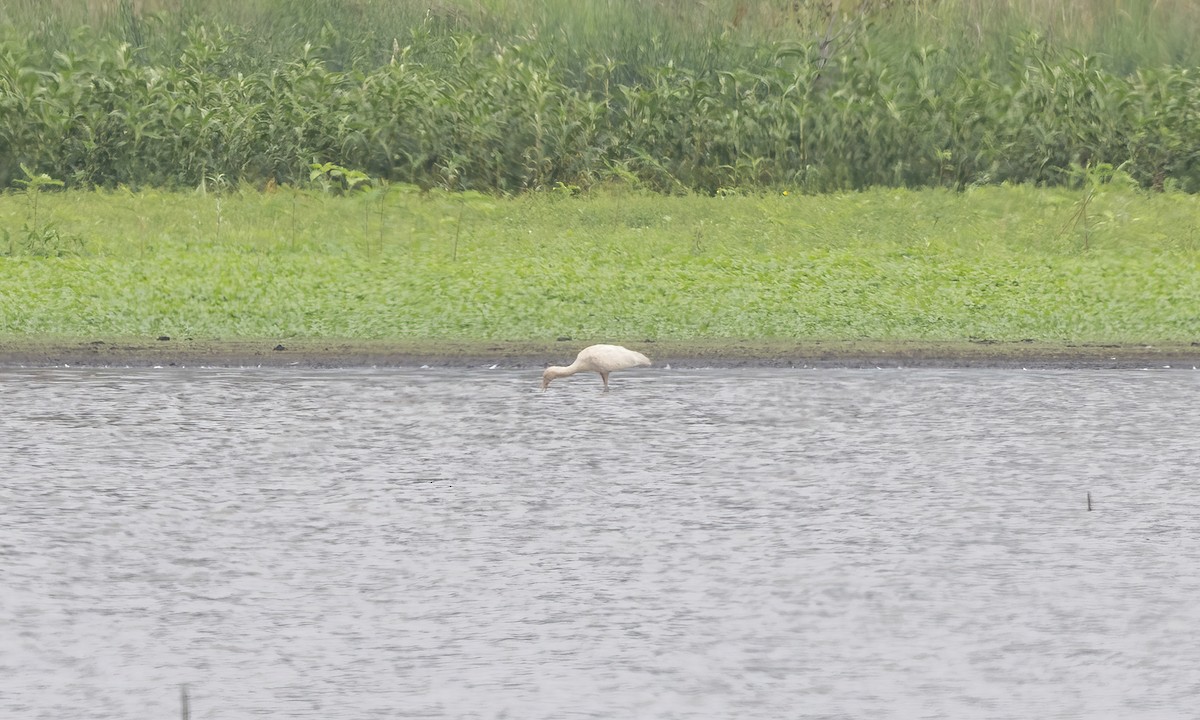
<point>996,263</point>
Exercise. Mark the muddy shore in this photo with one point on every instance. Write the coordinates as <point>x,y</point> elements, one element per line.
<point>183,352</point>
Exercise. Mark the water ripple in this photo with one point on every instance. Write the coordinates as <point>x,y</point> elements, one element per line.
<point>692,544</point>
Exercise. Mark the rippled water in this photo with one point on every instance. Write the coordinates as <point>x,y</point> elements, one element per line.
<point>693,544</point>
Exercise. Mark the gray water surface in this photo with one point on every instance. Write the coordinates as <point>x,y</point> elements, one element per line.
<point>692,544</point>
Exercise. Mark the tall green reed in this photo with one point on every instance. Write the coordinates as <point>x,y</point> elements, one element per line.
<point>500,97</point>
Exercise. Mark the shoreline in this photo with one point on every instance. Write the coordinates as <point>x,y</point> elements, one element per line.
<point>314,353</point>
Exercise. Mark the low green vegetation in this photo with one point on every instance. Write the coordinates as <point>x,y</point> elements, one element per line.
<point>471,170</point>
<point>1006,263</point>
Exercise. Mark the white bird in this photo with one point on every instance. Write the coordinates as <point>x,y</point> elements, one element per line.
<point>601,359</point>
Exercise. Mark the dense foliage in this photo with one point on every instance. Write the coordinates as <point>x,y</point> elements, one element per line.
<point>457,106</point>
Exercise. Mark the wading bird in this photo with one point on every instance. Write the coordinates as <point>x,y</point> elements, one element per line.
<point>601,359</point>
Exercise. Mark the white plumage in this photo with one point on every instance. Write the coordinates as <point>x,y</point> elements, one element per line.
<point>601,359</point>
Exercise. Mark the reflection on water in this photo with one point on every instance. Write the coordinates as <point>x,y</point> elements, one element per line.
<point>692,544</point>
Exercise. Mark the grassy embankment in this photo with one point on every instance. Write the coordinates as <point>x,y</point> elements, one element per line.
<point>420,271</point>
<point>734,98</point>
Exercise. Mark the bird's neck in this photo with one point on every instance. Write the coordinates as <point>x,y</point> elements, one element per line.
<point>558,371</point>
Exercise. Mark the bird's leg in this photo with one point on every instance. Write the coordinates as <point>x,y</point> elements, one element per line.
<point>604,377</point>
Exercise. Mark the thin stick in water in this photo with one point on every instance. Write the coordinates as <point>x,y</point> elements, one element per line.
<point>185,711</point>
<point>1089,502</point>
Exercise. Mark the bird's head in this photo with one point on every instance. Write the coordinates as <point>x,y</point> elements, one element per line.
<point>547,376</point>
